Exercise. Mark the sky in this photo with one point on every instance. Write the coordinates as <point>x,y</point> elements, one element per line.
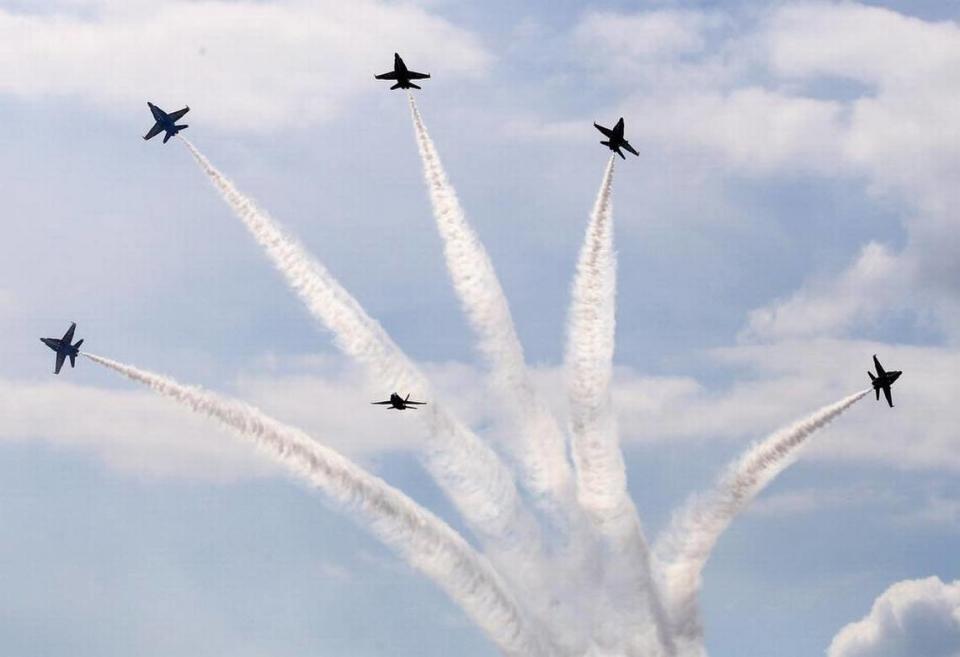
<point>792,212</point>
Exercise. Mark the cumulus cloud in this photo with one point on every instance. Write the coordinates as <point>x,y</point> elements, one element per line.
<point>139,434</point>
<point>131,431</point>
<point>650,35</point>
<point>911,618</point>
<point>244,65</point>
<point>872,285</point>
<point>811,88</point>
<point>774,383</point>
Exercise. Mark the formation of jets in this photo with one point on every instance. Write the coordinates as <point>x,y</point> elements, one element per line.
<point>403,79</point>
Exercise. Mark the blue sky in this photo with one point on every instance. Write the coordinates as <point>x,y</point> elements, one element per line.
<point>792,212</point>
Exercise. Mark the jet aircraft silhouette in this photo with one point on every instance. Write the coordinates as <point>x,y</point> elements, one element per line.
<point>64,348</point>
<point>396,402</point>
<point>165,122</point>
<point>615,140</point>
<point>402,75</point>
<point>883,380</point>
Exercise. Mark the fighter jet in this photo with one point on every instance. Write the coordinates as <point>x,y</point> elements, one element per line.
<point>883,380</point>
<point>402,75</point>
<point>615,140</point>
<point>399,403</point>
<point>165,122</point>
<point>64,348</point>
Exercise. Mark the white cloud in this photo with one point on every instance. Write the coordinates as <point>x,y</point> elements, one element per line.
<point>239,65</point>
<point>138,433</point>
<point>131,431</point>
<point>911,618</point>
<point>757,93</point>
<point>871,286</point>
<point>778,383</point>
<point>631,38</point>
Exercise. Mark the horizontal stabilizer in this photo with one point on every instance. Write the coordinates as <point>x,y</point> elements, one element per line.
<point>73,360</point>
<point>872,377</point>
<point>396,86</point>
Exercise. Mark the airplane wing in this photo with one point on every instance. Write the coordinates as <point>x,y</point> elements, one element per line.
<point>154,131</point>
<point>876,362</point>
<point>886,393</point>
<point>413,75</point>
<point>176,116</point>
<point>618,129</point>
<point>627,146</point>
<point>60,358</point>
<point>392,75</point>
<point>607,132</point>
<point>411,403</point>
<point>68,336</point>
<point>383,402</point>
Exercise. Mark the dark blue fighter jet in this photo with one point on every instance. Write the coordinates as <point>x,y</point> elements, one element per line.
<point>165,122</point>
<point>615,140</point>
<point>402,75</point>
<point>399,403</point>
<point>883,380</point>
<point>64,348</point>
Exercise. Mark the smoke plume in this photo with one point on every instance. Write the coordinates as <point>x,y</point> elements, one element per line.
<point>601,475</point>
<point>426,542</point>
<point>468,470</point>
<point>541,451</point>
<point>694,530</point>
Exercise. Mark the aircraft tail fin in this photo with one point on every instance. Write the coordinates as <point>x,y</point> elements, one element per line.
<point>872,377</point>
<point>181,127</point>
<point>408,397</point>
<point>877,390</point>
<point>605,143</point>
<point>396,86</point>
<point>79,342</point>
<point>414,86</point>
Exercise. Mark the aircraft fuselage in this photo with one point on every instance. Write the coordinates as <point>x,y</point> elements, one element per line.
<point>61,347</point>
<point>886,379</point>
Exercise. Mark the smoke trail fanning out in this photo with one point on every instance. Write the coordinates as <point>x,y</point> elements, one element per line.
<point>468,470</point>
<point>695,529</point>
<point>601,478</point>
<point>541,450</point>
<point>601,474</point>
<point>425,541</point>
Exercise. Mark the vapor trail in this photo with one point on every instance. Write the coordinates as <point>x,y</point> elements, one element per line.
<point>426,542</point>
<point>600,471</point>
<point>468,470</point>
<point>694,530</point>
<point>542,452</point>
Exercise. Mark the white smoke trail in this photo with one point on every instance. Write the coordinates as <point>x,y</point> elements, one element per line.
<point>426,542</point>
<point>542,451</point>
<point>601,474</point>
<point>469,471</point>
<point>694,530</point>
<point>601,477</point>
